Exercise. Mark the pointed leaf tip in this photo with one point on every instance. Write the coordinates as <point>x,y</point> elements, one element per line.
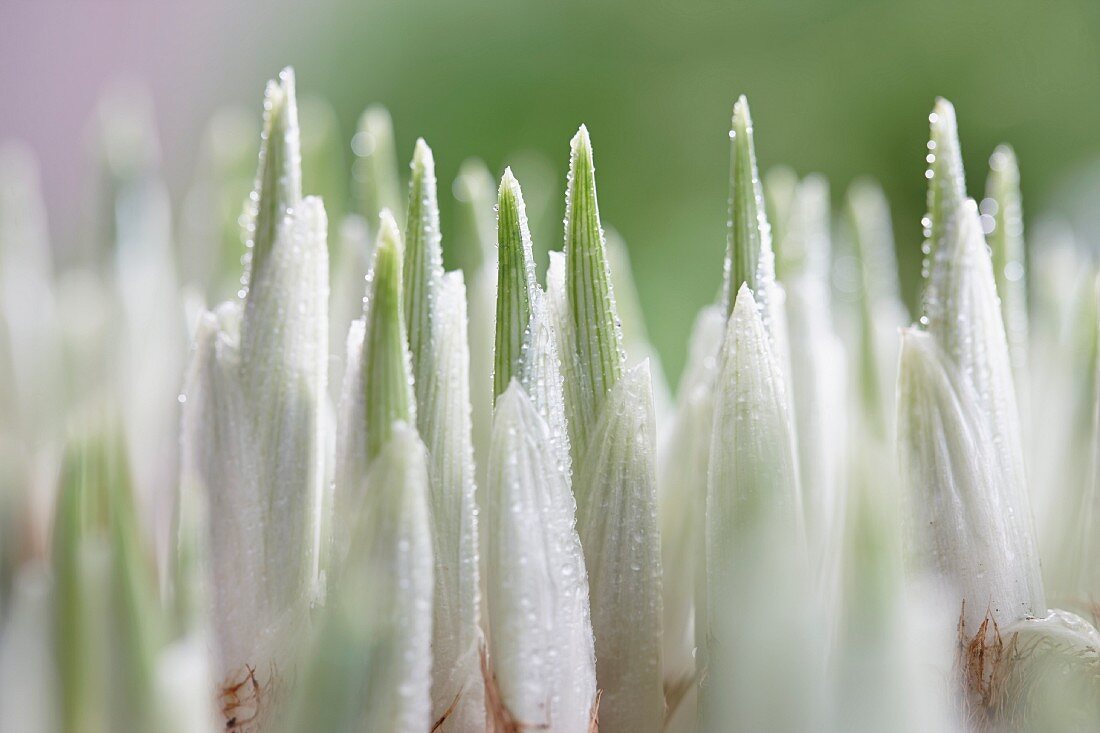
<point>387,264</point>
<point>595,321</point>
<point>1003,158</point>
<point>508,180</point>
<point>375,116</point>
<point>388,233</point>
<point>386,364</point>
<point>580,149</point>
<point>474,242</point>
<point>515,281</point>
<point>582,138</point>
<point>944,111</point>
<point>1006,243</point>
<point>749,257</point>
<point>423,267</point>
<point>374,172</point>
<point>945,174</point>
<point>278,183</point>
<point>744,298</point>
<point>742,118</point>
<point>422,155</point>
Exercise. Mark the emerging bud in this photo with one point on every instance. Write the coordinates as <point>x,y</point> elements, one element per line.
<point>541,648</point>
<point>759,593</point>
<point>613,444</point>
<point>369,667</point>
<point>594,331</point>
<point>374,170</point>
<point>253,428</point>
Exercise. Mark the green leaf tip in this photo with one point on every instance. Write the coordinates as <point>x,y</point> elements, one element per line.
<point>386,366</point>
<point>1006,239</point>
<point>946,179</point>
<point>508,183</point>
<point>278,186</point>
<point>1002,220</point>
<point>389,233</point>
<point>1004,161</point>
<point>423,261</point>
<point>749,257</point>
<point>375,168</point>
<point>867,216</point>
<point>805,246</point>
<point>475,234</point>
<point>423,161</point>
<point>515,281</point>
<point>595,321</point>
<point>780,185</point>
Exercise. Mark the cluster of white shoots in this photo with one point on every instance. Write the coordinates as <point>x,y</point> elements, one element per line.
<point>382,496</point>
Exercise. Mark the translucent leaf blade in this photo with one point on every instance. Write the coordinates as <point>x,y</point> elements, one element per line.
<point>946,178</point>
<point>682,481</point>
<point>423,270</point>
<point>395,532</point>
<point>278,184</point>
<point>960,519</point>
<point>283,375</point>
<point>377,388</point>
<point>541,645</point>
<point>457,684</point>
<point>387,369</point>
<point>353,257</point>
<point>749,256</point>
<point>617,521</point>
<point>756,559</point>
<point>1006,244</point>
<point>880,309</point>
<point>564,343</point>
<point>374,170</point>
<point>475,235</point>
<point>515,281</point>
<point>757,472</point>
<point>962,314</point>
<point>370,667</point>
<point>253,419</point>
<point>818,379</point>
<point>597,338</point>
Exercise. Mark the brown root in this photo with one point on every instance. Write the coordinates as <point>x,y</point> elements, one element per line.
<point>243,701</point>
<point>984,664</point>
<point>594,725</point>
<point>446,714</point>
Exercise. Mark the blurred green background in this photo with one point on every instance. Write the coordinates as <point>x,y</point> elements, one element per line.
<point>839,87</point>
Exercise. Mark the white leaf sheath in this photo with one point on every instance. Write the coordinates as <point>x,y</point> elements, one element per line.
<point>457,684</point>
<point>616,491</point>
<point>540,632</point>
